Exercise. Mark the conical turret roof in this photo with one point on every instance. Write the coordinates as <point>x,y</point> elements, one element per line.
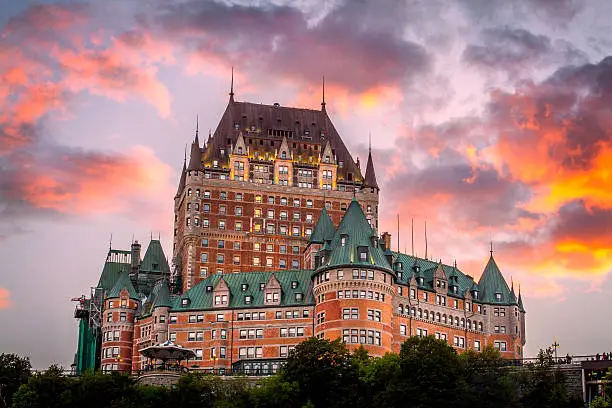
<point>123,282</point>
<point>154,259</point>
<point>183,179</point>
<point>492,282</point>
<point>195,157</point>
<point>324,229</point>
<point>370,176</point>
<point>354,235</point>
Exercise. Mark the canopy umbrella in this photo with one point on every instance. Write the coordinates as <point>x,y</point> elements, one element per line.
<point>167,351</point>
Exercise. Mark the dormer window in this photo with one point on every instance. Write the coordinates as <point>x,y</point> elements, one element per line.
<point>399,275</point>
<point>421,280</point>
<point>272,297</point>
<point>239,149</point>
<point>262,286</point>
<point>248,299</point>
<point>284,155</point>
<point>299,296</point>
<point>343,239</point>
<point>236,126</point>
<point>475,294</point>
<point>244,287</point>
<point>294,284</point>
<point>498,296</point>
<point>363,254</point>
<point>185,302</point>
<point>400,265</point>
<point>326,159</point>
<point>209,288</point>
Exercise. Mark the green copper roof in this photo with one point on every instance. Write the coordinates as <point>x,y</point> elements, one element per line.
<point>491,282</point>
<point>427,269</point>
<point>112,269</point>
<point>324,229</point>
<point>123,282</point>
<point>357,233</point>
<point>520,302</point>
<point>202,299</point>
<point>159,297</point>
<point>154,259</point>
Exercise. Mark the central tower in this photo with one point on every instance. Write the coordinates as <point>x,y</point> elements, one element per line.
<point>249,196</point>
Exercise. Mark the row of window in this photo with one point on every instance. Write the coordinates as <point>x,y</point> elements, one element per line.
<point>112,335</point>
<point>360,294</point>
<point>258,198</point>
<point>361,336</point>
<point>110,352</point>
<point>122,317</point>
<point>353,313</point>
<point>236,259</point>
<point>358,274</point>
<point>257,213</point>
<point>439,317</point>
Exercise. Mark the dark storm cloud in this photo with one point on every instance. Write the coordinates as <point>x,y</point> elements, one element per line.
<point>477,196</point>
<point>578,223</point>
<point>357,45</point>
<point>560,11</point>
<point>508,49</point>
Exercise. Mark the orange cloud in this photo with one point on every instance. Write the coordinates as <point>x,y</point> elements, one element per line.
<point>92,183</point>
<point>5,299</point>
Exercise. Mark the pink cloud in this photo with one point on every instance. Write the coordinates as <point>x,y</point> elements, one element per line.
<point>5,299</point>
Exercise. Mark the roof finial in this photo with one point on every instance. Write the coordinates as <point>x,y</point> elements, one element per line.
<point>370,143</point>
<point>110,242</point>
<point>491,248</point>
<point>323,100</point>
<point>185,157</point>
<point>231,94</point>
<point>197,124</point>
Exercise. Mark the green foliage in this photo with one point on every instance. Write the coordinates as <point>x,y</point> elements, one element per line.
<point>14,371</point>
<point>321,373</point>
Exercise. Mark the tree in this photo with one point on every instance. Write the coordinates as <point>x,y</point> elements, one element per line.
<point>431,373</point>
<point>488,383</point>
<point>14,371</point>
<point>50,389</point>
<point>324,373</point>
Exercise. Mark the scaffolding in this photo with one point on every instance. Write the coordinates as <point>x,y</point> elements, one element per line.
<point>96,305</point>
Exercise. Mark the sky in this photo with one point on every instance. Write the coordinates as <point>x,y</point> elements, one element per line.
<point>489,119</point>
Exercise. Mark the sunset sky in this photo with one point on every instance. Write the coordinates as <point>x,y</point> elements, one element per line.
<point>490,119</point>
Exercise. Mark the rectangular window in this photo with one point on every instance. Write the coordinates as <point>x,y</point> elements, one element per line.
<point>477,345</point>
<point>403,330</point>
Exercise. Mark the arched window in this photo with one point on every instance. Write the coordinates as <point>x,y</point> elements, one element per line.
<point>469,324</point>
<point>462,322</point>
<point>400,309</point>
<point>426,316</point>
<point>188,192</point>
<point>188,222</point>
<point>198,192</point>
<point>189,206</point>
<point>480,326</point>
<point>444,319</point>
<point>456,321</point>
<point>196,221</point>
<point>420,313</point>
<point>437,317</point>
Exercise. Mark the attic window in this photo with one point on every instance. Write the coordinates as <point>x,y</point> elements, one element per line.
<point>294,284</point>
<point>236,126</point>
<point>248,299</point>
<point>155,266</point>
<point>326,159</point>
<point>244,287</point>
<point>306,132</point>
<point>340,163</point>
<point>498,296</point>
<point>262,286</point>
<point>363,254</point>
<point>343,239</point>
<point>421,280</point>
<point>400,265</point>
<point>475,294</point>
<point>299,296</point>
<point>185,302</point>
<point>209,288</point>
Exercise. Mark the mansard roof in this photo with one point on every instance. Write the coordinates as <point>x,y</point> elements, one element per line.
<point>491,282</point>
<point>324,229</point>
<point>112,268</point>
<point>357,233</point>
<point>123,282</point>
<point>299,125</point>
<point>200,298</point>
<point>427,270</point>
<point>155,259</point>
<point>159,297</point>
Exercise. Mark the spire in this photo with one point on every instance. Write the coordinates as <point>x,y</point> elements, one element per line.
<point>323,99</point>
<point>183,178</point>
<point>195,158</point>
<point>197,140</point>
<point>520,301</point>
<point>231,94</point>
<point>370,176</point>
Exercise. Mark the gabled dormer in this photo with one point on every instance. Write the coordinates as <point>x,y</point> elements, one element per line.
<point>272,292</point>
<point>283,165</point>
<point>475,292</point>
<point>440,281</point>
<point>327,169</point>
<point>239,160</point>
<point>221,294</point>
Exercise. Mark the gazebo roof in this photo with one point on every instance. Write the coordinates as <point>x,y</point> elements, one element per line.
<point>167,351</point>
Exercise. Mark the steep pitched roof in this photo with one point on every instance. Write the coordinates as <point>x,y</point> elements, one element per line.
<point>200,298</point>
<point>303,125</point>
<point>183,179</point>
<point>123,282</point>
<point>520,302</point>
<point>356,231</point>
<point>195,157</point>
<point>491,282</point>
<point>370,176</point>
<point>154,259</point>
<point>324,229</point>
<point>112,269</point>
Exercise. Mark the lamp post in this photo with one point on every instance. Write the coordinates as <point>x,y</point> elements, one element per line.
<point>555,346</point>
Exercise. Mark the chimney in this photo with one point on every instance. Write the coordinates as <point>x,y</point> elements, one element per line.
<point>386,237</point>
<point>135,256</point>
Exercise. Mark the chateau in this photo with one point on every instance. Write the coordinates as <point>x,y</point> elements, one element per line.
<point>276,240</point>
